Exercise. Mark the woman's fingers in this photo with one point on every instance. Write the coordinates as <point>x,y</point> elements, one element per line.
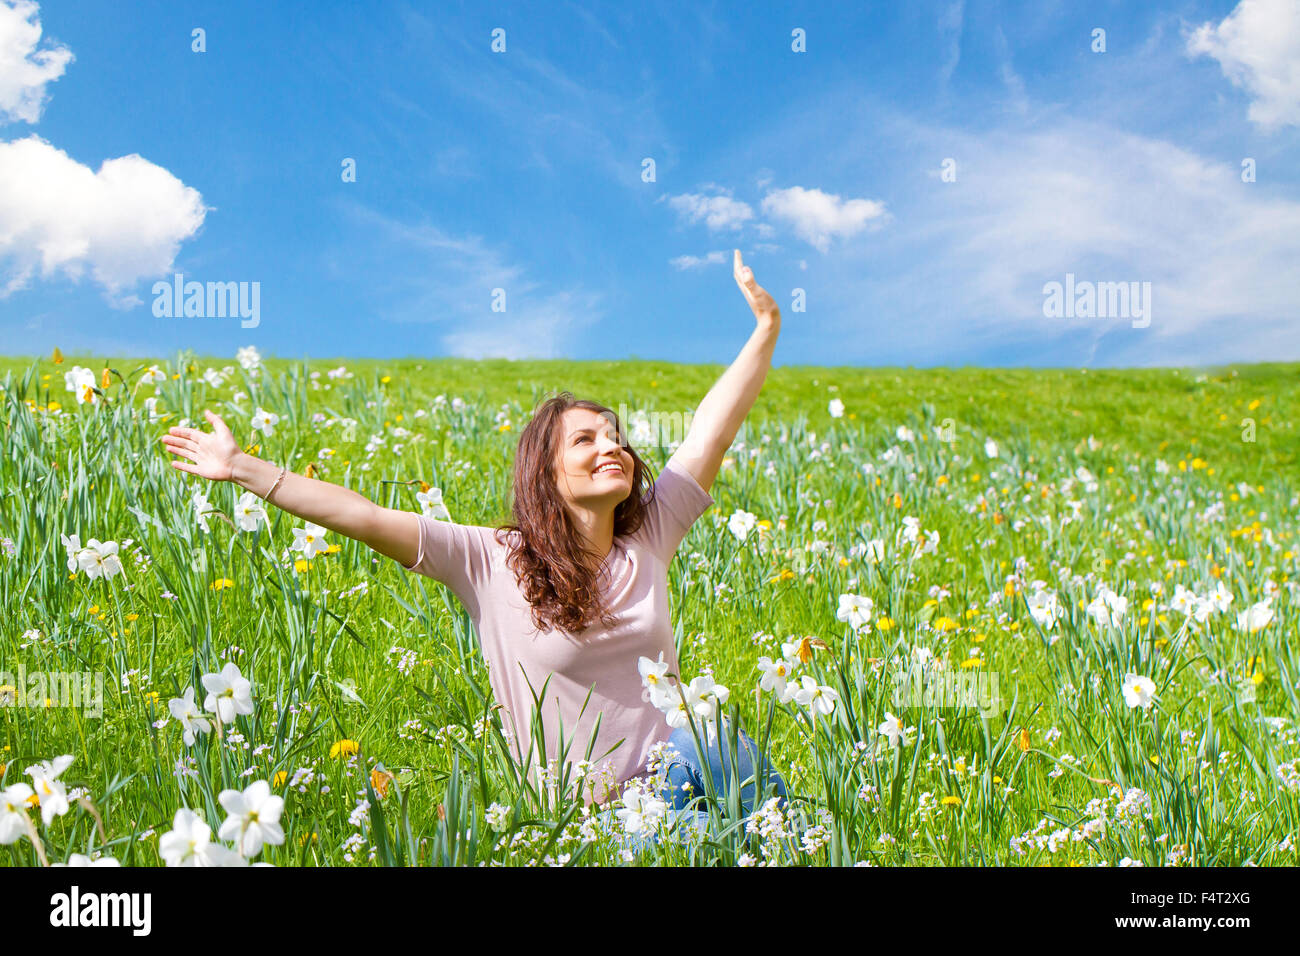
<point>183,466</point>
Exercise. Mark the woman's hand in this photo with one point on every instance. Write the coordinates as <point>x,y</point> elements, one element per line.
<point>213,453</point>
<point>764,306</point>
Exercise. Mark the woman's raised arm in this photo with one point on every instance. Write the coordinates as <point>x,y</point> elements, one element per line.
<point>217,456</point>
<point>723,410</point>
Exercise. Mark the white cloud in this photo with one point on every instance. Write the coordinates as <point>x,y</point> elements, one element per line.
<point>819,217</point>
<point>718,212</point>
<point>24,69</point>
<point>1258,48</point>
<point>698,262</point>
<point>963,272</point>
<point>122,223</point>
<point>950,20</point>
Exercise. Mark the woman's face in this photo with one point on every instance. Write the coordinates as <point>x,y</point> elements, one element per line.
<point>594,471</point>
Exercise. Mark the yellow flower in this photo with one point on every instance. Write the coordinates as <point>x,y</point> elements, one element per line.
<point>53,407</point>
<point>94,609</point>
<point>57,357</point>
<point>970,662</point>
<point>343,747</point>
<point>1155,760</point>
<point>945,624</point>
<point>385,380</point>
<point>884,624</point>
<point>785,575</point>
<point>279,779</point>
<point>1253,405</point>
<point>301,566</point>
<point>334,549</point>
<point>951,801</point>
<point>221,583</point>
<point>132,617</point>
<point>1022,740</point>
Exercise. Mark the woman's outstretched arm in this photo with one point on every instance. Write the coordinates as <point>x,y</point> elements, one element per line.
<point>217,456</point>
<point>723,410</point>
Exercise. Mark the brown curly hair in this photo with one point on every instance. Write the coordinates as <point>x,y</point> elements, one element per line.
<point>547,553</point>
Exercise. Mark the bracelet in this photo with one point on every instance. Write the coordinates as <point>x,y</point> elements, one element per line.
<point>279,478</point>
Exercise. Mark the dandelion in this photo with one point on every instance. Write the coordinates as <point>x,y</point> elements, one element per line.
<point>343,748</point>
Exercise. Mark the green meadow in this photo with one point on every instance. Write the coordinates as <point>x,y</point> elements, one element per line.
<point>1106,558</point>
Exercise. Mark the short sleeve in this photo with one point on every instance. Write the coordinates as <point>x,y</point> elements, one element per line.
<point>677,503</point>
<point>458,555</point>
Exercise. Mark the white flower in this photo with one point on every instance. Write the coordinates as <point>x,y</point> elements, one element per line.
<point>81,381</point>
<point>1255,617</point>
<point>254,818</point>
<point>741,524</point>
<point>99,557</point>
<point>1138,691</point>
<point>1044,608</point>
<point>190,843</point>
<point>652,678</point>
<point>1183,601</point>
<point>1220,597</point>
<point>856,611</point>
<point>836,408</point>
<point>817,698</point>
<point>924,541</point>
<point>310,540</point>
<point>775,674</point>
<point>202,508</point>
<point>702,698</point>
<point>249,357</point>
<point>875,550</point>
<point>184,710</point>
<point>431,504</point>
<point>905,434</point>
<point>153,375</point>
<point>265,421</point>
<point>13,812</point>
<point>990,448</point>
<point>229,693</point>
<point>214,378</point>
<point>892,728</point>
<point>497,815</point>
<point>249,513</point>
<point>72,544</point>
<point>1108,607</point>
<point>640,811</point>
<point>48,789</point>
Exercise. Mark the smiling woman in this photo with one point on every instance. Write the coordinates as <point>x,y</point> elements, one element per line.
<point>569,596</point>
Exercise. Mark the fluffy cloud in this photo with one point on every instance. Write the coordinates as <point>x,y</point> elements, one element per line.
<point>25,70</point>
<point>1258,48</point>
<point>122,223</point>
<point>819,217</point>
<point>698,262</point>
<point>718,212</point>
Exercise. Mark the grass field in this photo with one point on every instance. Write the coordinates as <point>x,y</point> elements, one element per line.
<point>1074,531</point>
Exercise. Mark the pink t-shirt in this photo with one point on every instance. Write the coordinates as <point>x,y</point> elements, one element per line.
<point>470,561</point>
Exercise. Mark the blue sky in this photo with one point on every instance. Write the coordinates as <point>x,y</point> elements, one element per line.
<point>522,171</point>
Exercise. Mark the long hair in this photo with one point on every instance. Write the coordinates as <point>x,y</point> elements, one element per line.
<point>548,556</point>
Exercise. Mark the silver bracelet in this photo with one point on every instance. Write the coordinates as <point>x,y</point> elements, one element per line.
<point>279,478</point>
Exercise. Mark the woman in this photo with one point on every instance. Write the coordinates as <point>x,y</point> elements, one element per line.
<point>574,593</point>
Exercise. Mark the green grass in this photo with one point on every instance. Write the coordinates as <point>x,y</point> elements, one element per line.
<point>1209,771</point>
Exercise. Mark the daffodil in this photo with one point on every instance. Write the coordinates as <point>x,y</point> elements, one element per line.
<point>254,818</point>
<point>48,788</point>
<point>310,540</point>
<point>229,693</point>
<point>249,512</point>
<point>192,720</point>
<point>1139,691</point>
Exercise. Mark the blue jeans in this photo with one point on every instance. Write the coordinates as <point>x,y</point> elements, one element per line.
<point>685,780</point>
